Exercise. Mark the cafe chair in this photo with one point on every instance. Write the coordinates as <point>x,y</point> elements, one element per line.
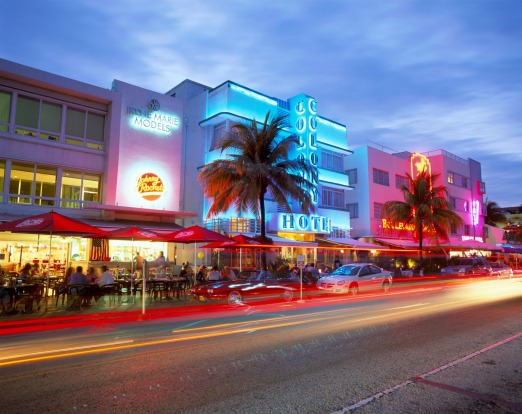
<point>109,291</point>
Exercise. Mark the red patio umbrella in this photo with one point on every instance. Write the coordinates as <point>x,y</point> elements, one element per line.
<point>134,233</point>
<point>195,234</point>
<point>52,223</point>
<point>238,241</point>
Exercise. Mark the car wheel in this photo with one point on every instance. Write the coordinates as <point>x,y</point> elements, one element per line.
<point>353,289</point>
<point>234,298</point>
<point>385,286</point>
<point>288,296</point>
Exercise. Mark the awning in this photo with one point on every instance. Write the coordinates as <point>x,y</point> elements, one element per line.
<point>284,242</point>
<point>348,243</point>
<point>158,227</point>
<point>511,249</point>
<point>453,243</point>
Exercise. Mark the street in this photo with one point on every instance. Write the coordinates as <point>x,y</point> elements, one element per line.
<point>430,348</point>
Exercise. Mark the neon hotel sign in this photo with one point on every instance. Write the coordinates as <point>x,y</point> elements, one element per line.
<point>302,222</point>
<point>151,119</point>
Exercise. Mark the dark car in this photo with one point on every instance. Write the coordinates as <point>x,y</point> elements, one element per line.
<point>251,285</point>
<point>468,266</point>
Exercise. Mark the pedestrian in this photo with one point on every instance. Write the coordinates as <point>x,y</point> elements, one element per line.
<point>214,274</point>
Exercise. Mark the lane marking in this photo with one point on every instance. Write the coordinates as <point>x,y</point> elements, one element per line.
<point>421,377</point>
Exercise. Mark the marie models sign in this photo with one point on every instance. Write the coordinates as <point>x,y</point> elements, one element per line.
<point>152,119</point>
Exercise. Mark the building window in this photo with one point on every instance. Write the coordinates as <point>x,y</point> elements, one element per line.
<point>30,184</point>
<point>353,209</point>
<point>381,177</point>
<point>352,176</point>
<point>35,117</point>
<point>466,229</point>
<point>485,232</point>
<point>2,180</point>
<point>451,177</point>
<point>453,228</point>
<point>79,187</point>
<point>217,132</point>
<point>331,160</point>
<point>377,210</point>
<point>464,182</point>
<point>5,110</point>
<point>333,197</point>
<point>401,181</point>
<point>339,233</point>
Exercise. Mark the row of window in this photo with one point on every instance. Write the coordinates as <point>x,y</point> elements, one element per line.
<point>50,120</point>
<point>458,180</point>
<point>330,160</point>
<point>22,183</point>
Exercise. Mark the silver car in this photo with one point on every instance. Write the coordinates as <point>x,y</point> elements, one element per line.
<point>354,278</point>
<point>500,269</point>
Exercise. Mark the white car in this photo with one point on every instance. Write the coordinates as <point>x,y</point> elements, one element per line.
<point>500,269</point>
<point>354,278</point>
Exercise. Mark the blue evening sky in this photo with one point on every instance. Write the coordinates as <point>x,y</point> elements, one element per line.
<point>414,75</point>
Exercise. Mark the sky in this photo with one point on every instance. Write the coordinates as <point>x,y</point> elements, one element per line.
<point>404,75</point>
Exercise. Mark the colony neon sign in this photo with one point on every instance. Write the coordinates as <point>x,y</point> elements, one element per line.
<point>151,119</point>
<point>302,222</point>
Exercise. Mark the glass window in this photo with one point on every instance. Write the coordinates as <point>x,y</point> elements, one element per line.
<point>352,176</point>
<point>78,187</point>
<point>401,181</point>
<point>27,112</point>
<point>331,160</point>
<point>217,132</point>
<point>333,197</point>
<point>466,229</point>
<point>2,179</point>
<point>451,177</point>
<point>75,123</point>
<point>91,187</point>
<point>377,210</point>
<point>21,183</point>
<point>5,106</point>
<point>381,177</point>
<point>95,127</point>
<point>353,209</point>
<point>51,117</point>
<point>45,186</point>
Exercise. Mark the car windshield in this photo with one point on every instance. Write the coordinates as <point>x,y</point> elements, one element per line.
<point>346,270</point>
<point>253,275</point>
<point>466,262</point>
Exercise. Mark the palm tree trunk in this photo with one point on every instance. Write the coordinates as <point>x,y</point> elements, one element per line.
<point>420,248</point>
<point>263,227</point>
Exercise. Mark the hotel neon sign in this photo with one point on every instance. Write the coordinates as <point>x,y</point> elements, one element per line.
<point>302,222</point>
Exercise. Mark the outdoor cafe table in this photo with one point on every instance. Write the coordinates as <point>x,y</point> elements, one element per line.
<point>171,285</point>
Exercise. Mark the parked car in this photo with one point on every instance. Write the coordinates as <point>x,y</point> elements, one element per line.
<point>354,278</point>
<point>468,266</point>
<point>500,269</point>
<point>251,285</point>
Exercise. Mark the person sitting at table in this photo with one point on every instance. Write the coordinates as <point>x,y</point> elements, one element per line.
<point>200,276</point>
<point>36,271</point>
<point>214,274</point>
<point>92,275</point>
<point>107,278</point>
<point>78,292</point>
<point>5,297</point>
<point>228,274</point>
<point>25,274</point>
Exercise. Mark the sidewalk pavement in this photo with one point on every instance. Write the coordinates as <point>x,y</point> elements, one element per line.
<point>125,308</point>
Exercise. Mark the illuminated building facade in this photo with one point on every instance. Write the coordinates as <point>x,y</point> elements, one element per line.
<point>377,175</point>
<point>211,112</point>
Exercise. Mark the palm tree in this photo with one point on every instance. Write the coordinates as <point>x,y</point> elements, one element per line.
<point>258,165</point>
<point>494,214</point>
<point>426,207</point>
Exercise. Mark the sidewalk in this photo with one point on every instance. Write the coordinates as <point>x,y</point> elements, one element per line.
<point>125,308</point>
